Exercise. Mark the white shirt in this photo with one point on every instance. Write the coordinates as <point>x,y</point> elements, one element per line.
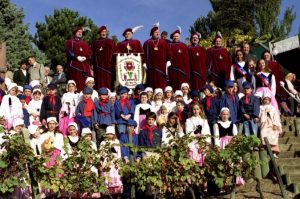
<point>73,97</point>
<point>192,123</point>
<point>170,105</point>
<point>36,144</point>
<point>156,106</point>
<point>291,87</point>
<point>58,139</point>
<point>24,72</point>
<point>13,111</point>
<point>167,136</point>
<point>34,106</point>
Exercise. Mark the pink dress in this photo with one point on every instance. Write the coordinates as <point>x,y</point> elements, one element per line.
<point>65,119</point>
<point>113,179</point>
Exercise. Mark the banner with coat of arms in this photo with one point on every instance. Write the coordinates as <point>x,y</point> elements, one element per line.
<point>129,70</point>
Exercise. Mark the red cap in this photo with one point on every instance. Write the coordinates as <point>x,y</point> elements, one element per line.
<point>127,30</point>
<point>101,29</point>
<point>173,33</point>
<point>155,28</point>
<point>75,30</point>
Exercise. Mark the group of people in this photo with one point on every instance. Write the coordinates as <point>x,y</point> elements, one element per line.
<point>83,105</point>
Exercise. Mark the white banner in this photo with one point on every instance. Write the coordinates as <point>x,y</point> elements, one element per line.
<point>129,70</point>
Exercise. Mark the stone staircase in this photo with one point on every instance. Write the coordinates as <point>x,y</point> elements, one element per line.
<point>289,156</point>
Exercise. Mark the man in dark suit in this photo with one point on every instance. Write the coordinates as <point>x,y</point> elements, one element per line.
<point>60,79</point>
<point>21,76</point>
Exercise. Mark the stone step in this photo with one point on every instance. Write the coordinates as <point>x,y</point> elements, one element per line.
<point>289,147</point>
<point>292,169</point>
<point>289,154</point>
<point>289,134</point>
<point>288,161</point>
<point>289,140</point>
<point>295,178</point>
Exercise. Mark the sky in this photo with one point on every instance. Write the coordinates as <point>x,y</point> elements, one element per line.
<point>118,15</point>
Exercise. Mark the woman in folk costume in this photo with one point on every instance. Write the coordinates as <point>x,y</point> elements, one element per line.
<point>11,107</point>
<point>169,101</point>
<point>157,100</point>
<point>34,107</point>
<point>150,93</point>
<point>197,125</point>
<point>54,136</point>
<point>73,136</point>
<point>171,130</point>
<point>240,71</point>
<point>71,93</point>
<point>224,130</point>
<point>112,177</point>
<point>141,110</point>
<point>185,88</point>
<point>265,81</point>
<point>66,115</point>
<point>269,124</point>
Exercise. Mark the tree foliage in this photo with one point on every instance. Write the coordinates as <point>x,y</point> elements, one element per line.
<point>57,29</point>
<point>15,33</point>
<point>257,18</point>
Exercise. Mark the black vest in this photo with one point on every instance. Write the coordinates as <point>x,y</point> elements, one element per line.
<point>225,131</point>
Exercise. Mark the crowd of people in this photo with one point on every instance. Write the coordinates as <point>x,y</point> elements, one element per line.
<point>189,90</point>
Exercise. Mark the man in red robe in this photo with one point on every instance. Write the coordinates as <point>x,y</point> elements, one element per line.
<point>157,54</point>
<point>130,45</point>
<point>78,58</point>
<point>179,71</point>
<point>219,62</point>
<point>103,52</point>
<point>198,62</point>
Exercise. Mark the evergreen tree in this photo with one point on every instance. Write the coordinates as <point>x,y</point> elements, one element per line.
<point>57,29</point>
<point>232,14</point>
<point>266,16</point>
<point>15,33</point>
<point>258,17</point>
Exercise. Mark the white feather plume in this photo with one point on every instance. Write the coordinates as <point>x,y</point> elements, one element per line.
<point>179,28</point>
<point>219,34</point>
<point>199,35</point>
<point>137,28</point>
<point>156,24</point>
<point>86,29</point>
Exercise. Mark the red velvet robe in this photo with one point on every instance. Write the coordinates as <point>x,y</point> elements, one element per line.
<point>78,71</point>
<point>220,64</point>
<point>134,45</point>
<point>104,70</point>
<point>199,66</point>
<point>279,76</point>
<point>179,71</point>
<point>156,62</point>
